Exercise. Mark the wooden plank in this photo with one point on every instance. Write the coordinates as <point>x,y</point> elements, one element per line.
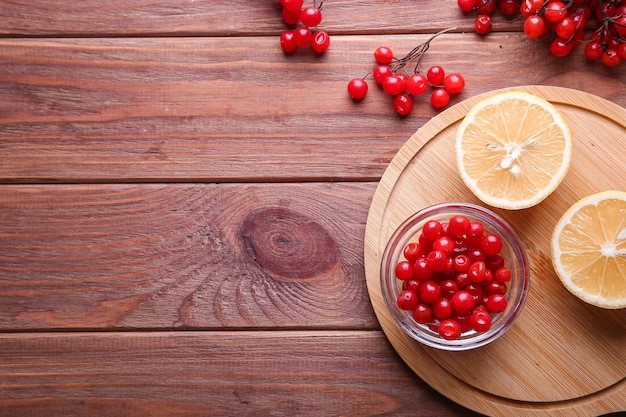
<point>354,373</point>
<point>172,109</point>
<point>225,18</point>
<point>184,256</point>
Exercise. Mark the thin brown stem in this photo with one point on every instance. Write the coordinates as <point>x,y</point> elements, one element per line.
<point>416,53</point>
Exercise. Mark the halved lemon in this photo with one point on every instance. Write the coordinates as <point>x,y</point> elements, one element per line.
<point>589,249</point>
<point>513,149</point>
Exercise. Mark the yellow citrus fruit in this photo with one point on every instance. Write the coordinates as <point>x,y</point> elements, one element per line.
<point>513,149</point>
<point>589,249</point>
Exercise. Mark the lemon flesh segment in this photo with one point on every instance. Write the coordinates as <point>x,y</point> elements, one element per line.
<point>589,249</point>
<point>513,150</point>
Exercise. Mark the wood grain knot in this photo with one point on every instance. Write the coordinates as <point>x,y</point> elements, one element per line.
<point>287,245</point>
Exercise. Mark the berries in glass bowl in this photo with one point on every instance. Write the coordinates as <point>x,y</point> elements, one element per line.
<point>454,276</point>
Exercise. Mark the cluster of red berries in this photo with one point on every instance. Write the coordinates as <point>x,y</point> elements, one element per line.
<point>566,20</point>
<point>305,33</point>
<point>390,73</point>
<point>454,277</point>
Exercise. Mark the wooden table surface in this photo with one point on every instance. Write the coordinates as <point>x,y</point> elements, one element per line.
<point>182,205</point>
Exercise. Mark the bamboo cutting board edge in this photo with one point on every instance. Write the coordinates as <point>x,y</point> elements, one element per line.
<point>422,360</point>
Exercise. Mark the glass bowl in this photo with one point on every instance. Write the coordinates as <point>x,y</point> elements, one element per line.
<point>512,252</point>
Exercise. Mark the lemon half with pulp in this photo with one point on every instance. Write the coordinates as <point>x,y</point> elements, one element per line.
<point>513,149</point>
<point>589,249</point>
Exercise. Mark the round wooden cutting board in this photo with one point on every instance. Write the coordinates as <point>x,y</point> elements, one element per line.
<point>562,357</point>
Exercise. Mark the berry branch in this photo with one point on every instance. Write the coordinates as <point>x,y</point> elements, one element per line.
<point>306,33</point>
<point>566,19</point>
<point>390,73</point>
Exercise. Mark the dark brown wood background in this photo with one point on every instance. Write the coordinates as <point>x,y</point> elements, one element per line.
<point>182,206</point>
